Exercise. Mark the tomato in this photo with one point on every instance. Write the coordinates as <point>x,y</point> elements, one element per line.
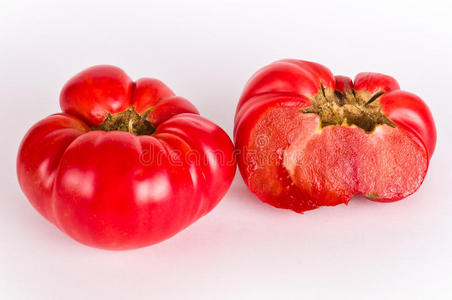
<point>126,164</point>
<point>306,138</point>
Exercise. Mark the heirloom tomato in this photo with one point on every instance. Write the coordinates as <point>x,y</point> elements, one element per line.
<point>126,164</point>
<point>306,138</point>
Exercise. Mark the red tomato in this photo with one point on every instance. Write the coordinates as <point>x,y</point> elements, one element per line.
<point>127,164</point>
<point>306,138</point>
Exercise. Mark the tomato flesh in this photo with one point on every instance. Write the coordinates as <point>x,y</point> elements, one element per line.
<point>300,166</point>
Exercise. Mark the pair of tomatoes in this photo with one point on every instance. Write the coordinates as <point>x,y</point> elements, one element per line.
<point>129,164</point>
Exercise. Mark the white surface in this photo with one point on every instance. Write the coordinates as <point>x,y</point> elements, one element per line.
<point>244,249</point>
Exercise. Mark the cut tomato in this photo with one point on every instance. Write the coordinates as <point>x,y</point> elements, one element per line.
<point>306,138</point>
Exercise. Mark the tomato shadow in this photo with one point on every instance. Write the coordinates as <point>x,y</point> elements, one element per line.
<point>241,198</point>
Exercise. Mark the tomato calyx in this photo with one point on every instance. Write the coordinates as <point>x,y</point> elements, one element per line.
<point>128,121</point>
<point>359,108</point>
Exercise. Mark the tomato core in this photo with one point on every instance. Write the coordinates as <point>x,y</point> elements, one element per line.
<point>129,121</point>
<point>359,108</point>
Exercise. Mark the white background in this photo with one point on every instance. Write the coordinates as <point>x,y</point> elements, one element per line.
<point>205,51</point>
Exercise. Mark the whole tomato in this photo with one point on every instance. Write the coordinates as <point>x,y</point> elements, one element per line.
<point>306,138</point>
<point>126,164</point>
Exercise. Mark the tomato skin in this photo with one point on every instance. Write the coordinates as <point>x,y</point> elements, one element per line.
<point>291,84</point>
<point>96,91</point>
<point>36,169</point>
<point>375,82</point>
<point>343,83</point>
<point>412,114</point>
<point>116,190</point>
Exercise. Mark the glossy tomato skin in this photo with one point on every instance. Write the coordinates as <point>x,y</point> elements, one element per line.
<point>116,190</point>
<point>290,84</point>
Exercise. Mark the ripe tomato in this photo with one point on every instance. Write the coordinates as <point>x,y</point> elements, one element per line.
<point>307,138</point>
<point>126,164</point>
